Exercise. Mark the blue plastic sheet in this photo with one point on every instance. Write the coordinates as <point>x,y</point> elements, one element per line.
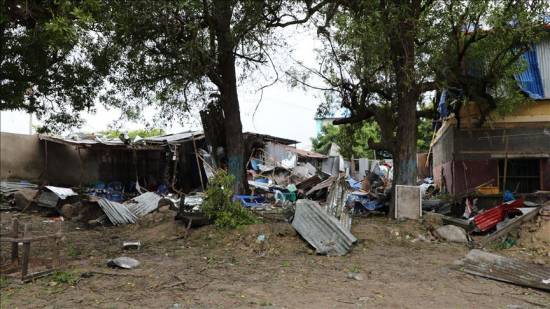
<point>530,80</point>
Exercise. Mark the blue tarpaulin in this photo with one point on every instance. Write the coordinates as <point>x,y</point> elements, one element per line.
<point>529,80</point>
<point>442,107</point>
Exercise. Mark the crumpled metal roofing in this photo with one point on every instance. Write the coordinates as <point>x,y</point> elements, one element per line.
<point>116,212</point>
<point>144,203</point>
<point>131,210</point>
<point>8,187</point>
<point>321,230</point>
<point>175,138</point>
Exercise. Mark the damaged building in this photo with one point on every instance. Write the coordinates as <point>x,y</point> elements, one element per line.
<point>512,152</point>
<point>172,162</point>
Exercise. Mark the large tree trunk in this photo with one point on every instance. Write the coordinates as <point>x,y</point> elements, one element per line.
<point>403,52</point>
<point>229,95</point>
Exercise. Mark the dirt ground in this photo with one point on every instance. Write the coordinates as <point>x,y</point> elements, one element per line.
<point>232,269</point>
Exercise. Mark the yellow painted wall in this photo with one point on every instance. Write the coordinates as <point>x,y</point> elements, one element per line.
<point>533,113</point>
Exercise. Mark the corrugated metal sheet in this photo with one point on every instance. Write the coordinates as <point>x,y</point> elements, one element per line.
<point>543,57</point>
<point>306,153</point>
<point>506,269</point>
<point>82,141</point>
<point>276,152</point>
<point>116,212</point>
<point>490,218</point>
<point>336,202</point>
<point>144,204</point>
<point>321,230</point>
<point>175,138</point>
<point>8,187</point>
<point>530,79</point>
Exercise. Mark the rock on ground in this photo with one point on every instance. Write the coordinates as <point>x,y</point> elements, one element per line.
<point>452,233</point>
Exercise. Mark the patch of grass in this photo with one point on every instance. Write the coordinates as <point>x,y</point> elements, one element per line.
<point>285,264</point>
<point>505,244</point>
<point>354,269</point>
<point>64,277</point>
<point>265,303</point>
<point>73,251</point>
<point>3,282</point>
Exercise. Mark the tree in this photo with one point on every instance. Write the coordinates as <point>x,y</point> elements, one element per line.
<point>175,52</point>
<point>351,139</point>
<point>135,133</point>
<point>168,53</point>
<point>382,58</point>
<point>48,61</point>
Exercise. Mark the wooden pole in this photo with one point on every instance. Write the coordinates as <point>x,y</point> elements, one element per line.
<point>505,166</point>
<point>15,245</point>
<point>26,252</point>
<point>198,162</point>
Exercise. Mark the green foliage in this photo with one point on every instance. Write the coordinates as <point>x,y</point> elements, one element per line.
<point>425,134</point>
<point>50,63</point>
<point>352,139</point>
<point>3,281</point>
<point>64,277</point>
<point>132,134</point>
<point>218,205</point>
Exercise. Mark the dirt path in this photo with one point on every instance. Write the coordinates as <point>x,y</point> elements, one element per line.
<point>215,269</point>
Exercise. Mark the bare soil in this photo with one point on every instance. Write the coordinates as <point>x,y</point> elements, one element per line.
<point>210,268</point>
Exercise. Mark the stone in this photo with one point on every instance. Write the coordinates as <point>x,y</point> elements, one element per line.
<point>69,211</point>
<point>452,233</point>
<point>355,276</point>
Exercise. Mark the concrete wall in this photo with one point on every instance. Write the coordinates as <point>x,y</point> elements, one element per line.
<point>20,157</point>
<point>23,157</point>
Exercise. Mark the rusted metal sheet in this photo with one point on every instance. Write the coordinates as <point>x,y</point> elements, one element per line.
<point>321,230</point>
<point>490,218</point>
<point>496,267</point>
<point>528,214</point>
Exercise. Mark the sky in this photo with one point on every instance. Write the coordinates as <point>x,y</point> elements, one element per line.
<point>284,111</point>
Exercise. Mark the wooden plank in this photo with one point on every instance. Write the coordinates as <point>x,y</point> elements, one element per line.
<point>14,245</point>
<point>496,267</point>
<point>515,223</point>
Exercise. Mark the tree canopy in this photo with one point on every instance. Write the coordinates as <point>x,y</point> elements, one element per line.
<point>49,63</point>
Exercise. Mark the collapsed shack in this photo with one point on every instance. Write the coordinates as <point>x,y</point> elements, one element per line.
<point>154,163</point>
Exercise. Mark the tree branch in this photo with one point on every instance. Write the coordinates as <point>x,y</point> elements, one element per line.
<point>364,115</point>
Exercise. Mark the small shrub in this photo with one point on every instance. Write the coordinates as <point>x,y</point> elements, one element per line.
<point>73,251</point>
<point>64,277</point>
<point>219,207</point>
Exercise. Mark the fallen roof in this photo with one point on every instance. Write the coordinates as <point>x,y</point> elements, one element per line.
<point>307,153</point>
<point>97,142</point>
<point>175,138</point>
<point>148,143</point>
<point>271,138</point>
